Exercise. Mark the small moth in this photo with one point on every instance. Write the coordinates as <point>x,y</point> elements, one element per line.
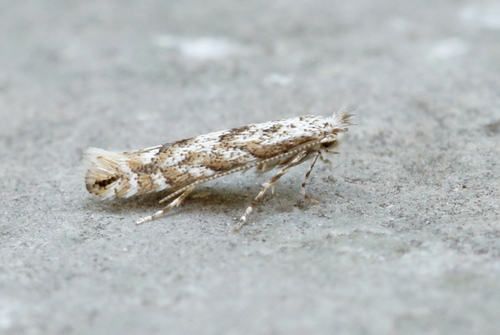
<point>180,166</point>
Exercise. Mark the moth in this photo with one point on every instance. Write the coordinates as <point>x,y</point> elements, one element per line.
<point>180,166</point>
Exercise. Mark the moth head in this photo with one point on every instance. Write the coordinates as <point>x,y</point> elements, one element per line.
<point>334,140</point>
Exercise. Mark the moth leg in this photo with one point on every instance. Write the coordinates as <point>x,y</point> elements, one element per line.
<point>314,201</point>
<point>176,202</point>
<point>173,195</point>
<point>269,183</point>
<point>326,160</point>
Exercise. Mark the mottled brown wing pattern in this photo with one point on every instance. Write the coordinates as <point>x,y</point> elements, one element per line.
<point>180,166</point>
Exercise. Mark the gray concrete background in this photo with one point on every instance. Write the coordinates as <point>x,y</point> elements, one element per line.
<point>404,241</point>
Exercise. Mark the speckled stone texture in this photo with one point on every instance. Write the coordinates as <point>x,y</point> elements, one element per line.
<point>405,239</point>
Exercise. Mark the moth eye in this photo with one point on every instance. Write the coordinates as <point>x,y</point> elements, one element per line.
<point>328,144</point>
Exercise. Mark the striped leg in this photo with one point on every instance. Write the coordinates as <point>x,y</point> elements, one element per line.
<point>266,185</point>
<point>314,201</point>
<point>171,205</point>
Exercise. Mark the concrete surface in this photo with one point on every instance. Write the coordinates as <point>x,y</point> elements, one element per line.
<point>404,241</point>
